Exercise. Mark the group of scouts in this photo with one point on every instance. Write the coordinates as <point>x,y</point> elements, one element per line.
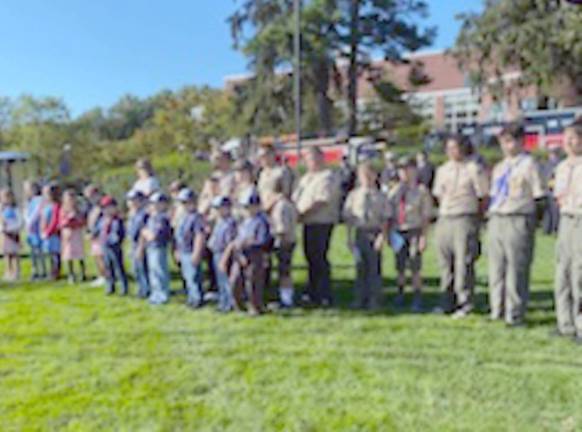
<point>247,214</point>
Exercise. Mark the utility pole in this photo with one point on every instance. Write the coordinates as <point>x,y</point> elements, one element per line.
<point>297,74</point>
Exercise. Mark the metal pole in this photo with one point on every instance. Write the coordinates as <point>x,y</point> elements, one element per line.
<point>297,74</point>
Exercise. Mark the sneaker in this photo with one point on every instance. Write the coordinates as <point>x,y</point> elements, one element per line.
<point>71,280</point>
<point>399,301</point>
<point>416,305</point>
<point>99,282</point>
<point>460,314</point>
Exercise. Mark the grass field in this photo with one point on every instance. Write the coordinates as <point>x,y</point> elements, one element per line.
<point>73,359</point>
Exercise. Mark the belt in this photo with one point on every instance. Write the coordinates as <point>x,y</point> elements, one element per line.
<point>458,216</point>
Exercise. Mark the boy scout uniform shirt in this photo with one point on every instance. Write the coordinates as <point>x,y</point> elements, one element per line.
<point>284,221</point>
<point>160,226</point>
<point>459,186</point>
<point>224,232</point>
<point>515,185</point>
<point>321,186</point>
<point>412,206</point>
<point>136,224</point>
<point>367,209</point>
<point>254,233</point>
<point>268,179</point>
<point>568,186</point>
<point>192,224</point>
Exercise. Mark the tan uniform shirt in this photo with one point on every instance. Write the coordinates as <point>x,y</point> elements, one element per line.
<point>459,186</point>
<point>568,186</point>
<point>284,221</point>
<point>318,187</point>
<point>227,183</point>
<point>523,182</point>
<point>367,208</point>
<point>267,182</point>
<point>238,211</point>
<point>412,206</point>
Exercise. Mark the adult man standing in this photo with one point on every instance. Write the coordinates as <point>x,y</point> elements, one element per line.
<point>461,188</point>
<point>517,183</point>
<point>271,174</point>
<point>317,198</point>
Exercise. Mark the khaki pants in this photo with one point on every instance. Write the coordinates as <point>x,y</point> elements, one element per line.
<point>568,281</point>
<point>511,245</point>
<point>457,240</point>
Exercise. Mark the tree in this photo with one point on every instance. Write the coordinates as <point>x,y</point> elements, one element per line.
<point>371,26</point>
<point>542,39</point>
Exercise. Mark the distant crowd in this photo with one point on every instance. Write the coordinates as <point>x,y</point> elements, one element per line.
<point>231,239</point>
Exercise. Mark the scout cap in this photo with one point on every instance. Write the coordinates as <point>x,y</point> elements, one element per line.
<point>134,195</point>
<point>186,195</point>
<point>159,197</point>
<point>243,165</point>
<point>221,201</point>
<point>250,198</point>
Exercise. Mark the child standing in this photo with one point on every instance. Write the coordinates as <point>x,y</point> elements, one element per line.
<point>72,225</point>
<point>138,218</point>
<point>223,233</point>
<point>93,196</point>
<point>284,225</point>
<point>49,228</point>
<point>111,235</point>
<point>250,252</point>
<point>11,224</point>
<point>367,212</point>
<point>157,236</point>
<point>190,237</point>
<point>413,208</point>
<point>32,210</point>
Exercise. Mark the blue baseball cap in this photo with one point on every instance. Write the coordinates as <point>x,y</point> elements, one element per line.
<point>186,195</point>
<point>250,198</point>
<point>221,201</point>
<point>134,195</point>
<point>159,197</point>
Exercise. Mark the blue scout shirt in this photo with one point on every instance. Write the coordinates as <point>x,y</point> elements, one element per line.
<point>159,224</point>
<point>190,226</point>
<point>223,233</point>
<point>111,232</point>
<point>254,234</point>
<point>135,225</point>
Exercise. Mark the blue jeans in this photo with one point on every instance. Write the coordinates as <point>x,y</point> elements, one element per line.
<point>38,262</point>
<point>192,275</point>
<point>225,297</point>
<point>159,274</point>
<point>140,271</point>
<point>115,267</point>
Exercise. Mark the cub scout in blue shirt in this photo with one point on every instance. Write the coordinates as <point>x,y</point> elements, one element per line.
<point>157,236</point>
<point>111,232</point>
<point>223,234</point>
<point>190,237</point>
<point>250,252</point>
<point>137,221</point>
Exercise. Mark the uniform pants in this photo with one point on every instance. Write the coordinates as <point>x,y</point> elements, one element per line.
<point>369,269</point>
<point>159,274</point>
<point>551,215</point>
<point>248,281</point>
<point>115,268</point>
<point>225,298</point>
<point>140,272</point>
<point>511,245</point>
<point>316,238</point>
<point>568,281</point>
<point>192,276</point>
<point>457,244</point>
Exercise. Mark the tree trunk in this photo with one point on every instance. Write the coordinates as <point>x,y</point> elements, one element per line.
<point>323,100</point>
<point>353,67</point>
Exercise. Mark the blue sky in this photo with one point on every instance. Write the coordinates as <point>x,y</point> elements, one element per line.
<point>92,52</point>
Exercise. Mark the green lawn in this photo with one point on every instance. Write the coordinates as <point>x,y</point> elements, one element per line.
<point>73,359</point>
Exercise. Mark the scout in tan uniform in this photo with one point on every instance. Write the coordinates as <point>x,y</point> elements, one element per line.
<point>367,212</point>
<point>516,185</point>
<point>271,173</point>
<point>317,200</point>
<point>412,206</point>
<point>568,192</point>
<point>244,183</point>
<point>460,187</point>
<point>222,168</point>
<point>283,226</point>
